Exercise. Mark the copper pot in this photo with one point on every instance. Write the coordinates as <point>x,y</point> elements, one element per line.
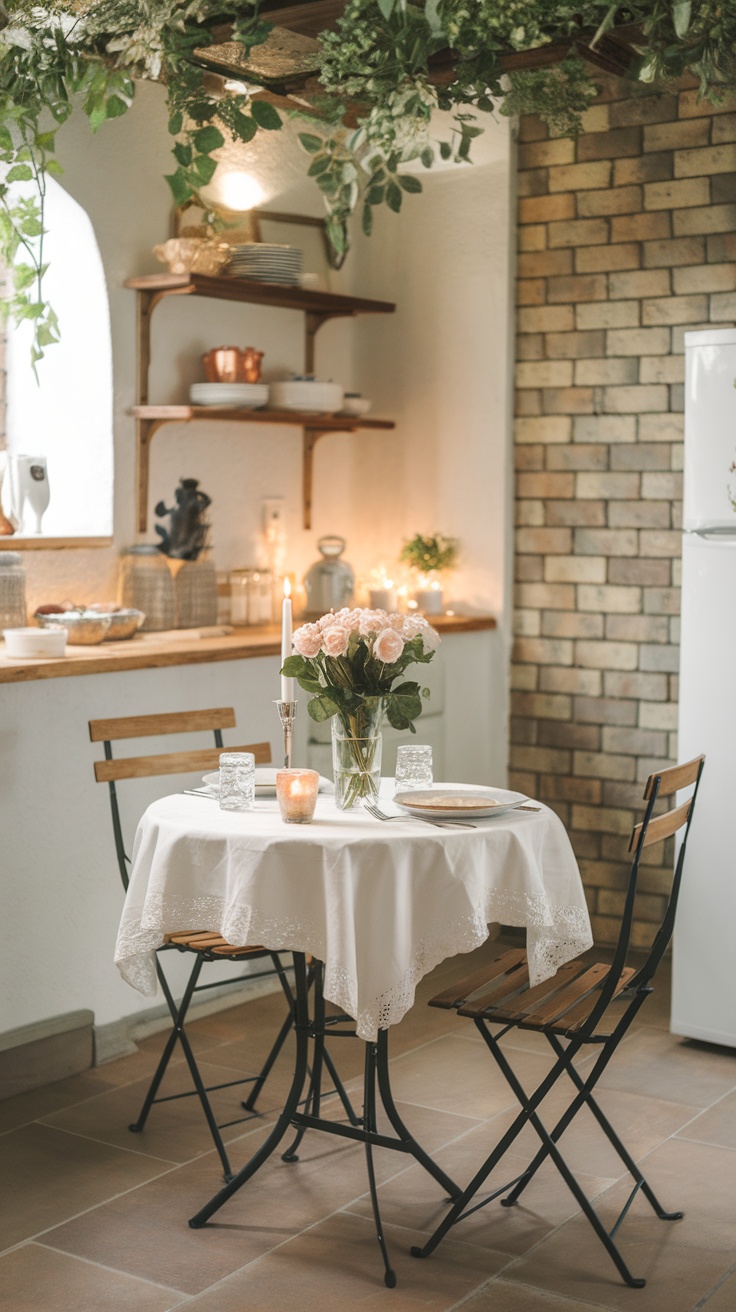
<point>231,364</point>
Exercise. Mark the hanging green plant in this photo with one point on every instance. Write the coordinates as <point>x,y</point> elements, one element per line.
<point>383,72</point>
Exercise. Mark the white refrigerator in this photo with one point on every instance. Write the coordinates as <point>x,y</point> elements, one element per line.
<point>704,952</point>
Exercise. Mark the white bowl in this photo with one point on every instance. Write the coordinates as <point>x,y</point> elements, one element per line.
<point>34,643</point>
<point>355,406</point>
<point>305,394</point>
<point>246,396</point>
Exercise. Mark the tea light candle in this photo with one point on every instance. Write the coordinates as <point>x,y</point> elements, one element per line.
<point>429,599</point>
<point>297,793</point>
<point>383,597</point>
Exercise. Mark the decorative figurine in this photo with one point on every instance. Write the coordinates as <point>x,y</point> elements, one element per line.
<point>186,535</point>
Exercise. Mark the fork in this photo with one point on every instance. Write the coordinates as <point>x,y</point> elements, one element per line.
<point>373,810</point>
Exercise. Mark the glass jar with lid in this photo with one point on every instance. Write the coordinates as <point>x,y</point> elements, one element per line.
<point>251,596</point>
<point>12,591</point>
<point>330,582</point>
<point>145,583</point>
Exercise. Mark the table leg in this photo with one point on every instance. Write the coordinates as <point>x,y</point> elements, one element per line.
<point>302,1031</point>
<point>406,1138</point>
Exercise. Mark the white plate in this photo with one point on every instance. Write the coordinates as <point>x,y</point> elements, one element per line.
<point>472,803</point>
<point>265,781</point>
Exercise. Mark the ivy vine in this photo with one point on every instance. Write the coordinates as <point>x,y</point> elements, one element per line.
<point>372,114</point>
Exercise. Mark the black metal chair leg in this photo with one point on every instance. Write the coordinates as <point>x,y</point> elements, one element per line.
<point>301,1029</point>
<point>178,1015</point>
<point>369,1122</point>
<point>529,1104</point>
<point>615,1141</point>
<point>340,1089</point>
<point>315,1075</point>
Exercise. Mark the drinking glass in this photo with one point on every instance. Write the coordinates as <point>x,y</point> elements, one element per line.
<point>237,781</point>
<point>413,767</point>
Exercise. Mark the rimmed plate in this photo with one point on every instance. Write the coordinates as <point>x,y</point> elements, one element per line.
<point>460,802</point>
<point>265,781</point>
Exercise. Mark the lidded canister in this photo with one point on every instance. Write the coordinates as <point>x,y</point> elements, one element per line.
<point>12,591</point>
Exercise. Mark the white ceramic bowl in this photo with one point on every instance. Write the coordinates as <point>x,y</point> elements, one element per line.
<point>305,394</point>
<point>34,643</point>
<point>355,406</point>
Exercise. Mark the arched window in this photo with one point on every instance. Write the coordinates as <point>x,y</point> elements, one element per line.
<point>68,418</point>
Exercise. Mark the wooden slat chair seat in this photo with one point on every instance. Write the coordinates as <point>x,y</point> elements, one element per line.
<point>206,945</point>
<point>582,1003</point>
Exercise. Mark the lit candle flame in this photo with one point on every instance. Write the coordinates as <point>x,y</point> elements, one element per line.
<point>287,587</point>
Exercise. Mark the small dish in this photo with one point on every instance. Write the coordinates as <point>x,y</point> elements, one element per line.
<point>306,394</point>
<point>460,802</point>
<point>34,644</point>
<point>354,404</point>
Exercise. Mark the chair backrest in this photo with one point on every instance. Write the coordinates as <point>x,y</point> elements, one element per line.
<point>143,767</point>
<point>653,829</point>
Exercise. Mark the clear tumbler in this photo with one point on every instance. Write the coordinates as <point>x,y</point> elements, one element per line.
<point>413,768</point>
<point>237,781</point>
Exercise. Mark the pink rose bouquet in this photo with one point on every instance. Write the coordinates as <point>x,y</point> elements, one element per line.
<point>350,661</point>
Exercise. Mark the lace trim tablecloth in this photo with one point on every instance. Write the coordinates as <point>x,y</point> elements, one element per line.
<point>380,905</point>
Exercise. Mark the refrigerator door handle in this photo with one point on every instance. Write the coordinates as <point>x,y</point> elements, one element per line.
<point>724,536</point>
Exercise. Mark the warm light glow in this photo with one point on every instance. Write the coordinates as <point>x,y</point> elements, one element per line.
<point>287,586</point>
<point>412,605</point>
<point>239,191</point>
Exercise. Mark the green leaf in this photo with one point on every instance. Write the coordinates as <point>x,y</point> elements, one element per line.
<point>427,157</point>
<point>445,149</point>
<point>115,107</point>
<point>293,666</point>
<point>387,7</point>
<point>681,11</point>
<point>19,173</point>
<point>183,154</point>
<point>203,170</point>
<point>6,141</point>
<point>367,225</point>
<point>54,168</point>
<point>410,183</point>
<point>243,126</point>
<point>318,165</point>
<point>322,708</point>
<point>393,196</point>
<point>375,195</point>
<point>208,139</point>
<point>180,188</point>
<point>44,140</point>
<point>310,143</point>
<point>31,227</point>
<point>23,276</point>
<point>265,115</point>
<point>176,123</point>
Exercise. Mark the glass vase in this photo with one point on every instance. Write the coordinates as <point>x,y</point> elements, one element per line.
<point>356,754</point>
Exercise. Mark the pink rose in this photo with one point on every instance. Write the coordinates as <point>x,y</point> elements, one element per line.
<point>307,640</point>
<point>335,640</point>
<point>388,646</point>
<point>372,621</point>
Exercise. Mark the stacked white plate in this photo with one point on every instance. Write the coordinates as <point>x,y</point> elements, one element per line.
<point>266,262</point>
<point>246,396</point>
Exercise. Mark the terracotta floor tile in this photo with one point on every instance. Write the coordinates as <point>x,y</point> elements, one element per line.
<point>47,1175</point>
<point>501,1296</point>
<point>716,1125</point>
<point>35,1277</point>
<point>338,1264</point>
<point>659,1065</point>
<point>723,1297</point>
<point>175,1131</point>
<point>411,1199</point>
<point>30,1106</point>
<point>681,1260</point>
<point>452,1075</point>
<point>278,1203</point>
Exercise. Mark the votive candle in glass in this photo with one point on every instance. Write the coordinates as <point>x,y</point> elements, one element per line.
<point>297,790</point>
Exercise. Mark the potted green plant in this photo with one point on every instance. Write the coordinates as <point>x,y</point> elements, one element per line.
<point>429,558</point>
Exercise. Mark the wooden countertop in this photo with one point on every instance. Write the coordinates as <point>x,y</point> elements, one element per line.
<point>152,651</point>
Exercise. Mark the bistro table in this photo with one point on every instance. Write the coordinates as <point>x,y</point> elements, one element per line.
<point>378,905</point>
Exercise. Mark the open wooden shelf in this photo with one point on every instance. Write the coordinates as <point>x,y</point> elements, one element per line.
<point>317,306</point>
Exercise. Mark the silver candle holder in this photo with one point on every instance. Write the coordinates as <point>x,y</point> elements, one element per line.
<point>287,714</point>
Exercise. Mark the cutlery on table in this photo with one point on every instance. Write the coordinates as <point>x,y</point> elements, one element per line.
<point>373,810</point>
<point>199,792</point>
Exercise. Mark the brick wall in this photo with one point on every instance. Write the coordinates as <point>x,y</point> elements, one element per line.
<point>626,240</point>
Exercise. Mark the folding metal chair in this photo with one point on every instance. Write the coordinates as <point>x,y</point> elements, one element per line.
<point>581,1004</point>
<point>204,944</point>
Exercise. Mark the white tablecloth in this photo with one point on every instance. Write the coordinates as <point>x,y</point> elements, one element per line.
<point>379,904</point>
